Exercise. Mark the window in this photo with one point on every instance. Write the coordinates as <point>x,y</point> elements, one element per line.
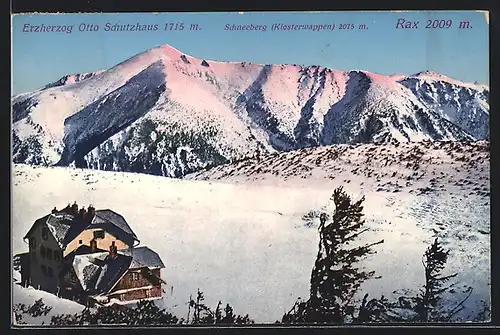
<point>56,255</point>
<point>50,272</point>
<point>148,293</point>
<point>80,241</point>
<point>99,234</point>
<point>42,251</point>
<point>135,276</point>
<point>44,269</point>
<point>33,242</point>
<point>45,233</point>
<point>49,254</point>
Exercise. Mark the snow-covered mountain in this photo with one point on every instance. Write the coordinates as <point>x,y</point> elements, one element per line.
<point>167,113</point>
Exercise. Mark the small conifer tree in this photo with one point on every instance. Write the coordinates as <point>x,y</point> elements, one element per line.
<point>430,304</point>
<point>428,309</point>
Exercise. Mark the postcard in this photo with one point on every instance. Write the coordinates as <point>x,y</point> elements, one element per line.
<point>287,168</point>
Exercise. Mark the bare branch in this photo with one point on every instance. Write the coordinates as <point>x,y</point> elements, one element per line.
<point>446,277</point>
<point>349,238</point>
<point>454,310</point>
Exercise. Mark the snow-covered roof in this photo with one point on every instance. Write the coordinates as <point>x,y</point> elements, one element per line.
<point>143,256</point>
<point>115,218</point>
<point>99,272</point>
<point>65,227</point>
<point>60,225</point>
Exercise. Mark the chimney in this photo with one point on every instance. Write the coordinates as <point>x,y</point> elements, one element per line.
<point>112,250</point>
<point>91,211</point>
<point>67,209</point>
<point>54,210</point>
<point>74,209</point>
<point>82,212</point>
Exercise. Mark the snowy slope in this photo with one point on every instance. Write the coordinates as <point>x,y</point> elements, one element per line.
<point>448,98</point>
<point>157,112</point>
<point>28,296</point>
<point>426,189</point>
<point>241,238</point>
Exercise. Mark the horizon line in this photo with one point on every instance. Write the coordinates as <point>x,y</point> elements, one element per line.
<point>250,62</point>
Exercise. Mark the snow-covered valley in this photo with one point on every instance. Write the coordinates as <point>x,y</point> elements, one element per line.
<point>237,231</point>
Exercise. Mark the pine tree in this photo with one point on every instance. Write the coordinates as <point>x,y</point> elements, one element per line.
<point>428,309</point>
<point>336,277</point>
<point>427,306</point>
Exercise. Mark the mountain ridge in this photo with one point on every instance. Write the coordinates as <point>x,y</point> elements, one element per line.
<point>99,119</point>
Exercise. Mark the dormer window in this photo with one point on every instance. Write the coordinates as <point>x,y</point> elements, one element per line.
<point>98,234</point>
<point>45,233</point>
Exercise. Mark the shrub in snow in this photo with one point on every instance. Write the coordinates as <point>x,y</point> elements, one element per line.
<point>145,313</point>
<point>202,314</point>
<point>35,310</point>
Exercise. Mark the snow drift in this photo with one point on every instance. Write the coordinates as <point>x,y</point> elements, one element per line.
<point>243,232</point>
